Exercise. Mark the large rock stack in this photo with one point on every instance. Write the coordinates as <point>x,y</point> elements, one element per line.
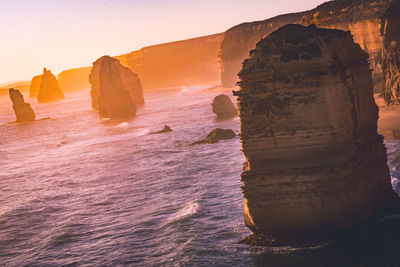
<point>222,106</point>
<point>116,90</point>
<point>23,111</point>
<point>49,90</point>
<point>34,87</point>
<point>315,163</point>
<point>391,52</point>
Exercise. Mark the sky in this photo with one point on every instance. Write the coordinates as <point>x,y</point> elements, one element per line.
<point>64,34</point>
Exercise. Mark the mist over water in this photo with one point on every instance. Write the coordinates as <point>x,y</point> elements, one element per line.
<point>78,190</point>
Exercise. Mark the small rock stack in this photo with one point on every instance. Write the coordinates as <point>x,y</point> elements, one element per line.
<point>23,111</point>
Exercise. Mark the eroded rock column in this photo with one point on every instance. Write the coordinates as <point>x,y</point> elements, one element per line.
<point>116,90</point>
<point>49,90</point>
<point>315,163</point>
<point>23,111</point>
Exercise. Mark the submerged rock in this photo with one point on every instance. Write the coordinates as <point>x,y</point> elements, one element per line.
<point>166,129</point>
<point>391,52</point>
<point>49,90</point>
<point>223,107</point>
<point>217,135</point>
<point>315,163</point>
<point>34,87</point>
<point>23,111</point>
<point>116,90</point>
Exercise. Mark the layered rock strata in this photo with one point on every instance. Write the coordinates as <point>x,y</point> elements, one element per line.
<point>315,163</point>
<point>223,107</point>
<point>34,87</point>
<point>362,17</point>
<point>242,38</point>
<point>49,90</point>
<point>391,52</point>
<point>186,62</point>
<point>23,111</point>
<point>116,90</point>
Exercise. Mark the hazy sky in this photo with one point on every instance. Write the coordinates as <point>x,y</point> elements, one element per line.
<point>62,34</point>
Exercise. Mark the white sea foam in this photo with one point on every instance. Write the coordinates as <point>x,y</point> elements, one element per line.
<point>188,210</point>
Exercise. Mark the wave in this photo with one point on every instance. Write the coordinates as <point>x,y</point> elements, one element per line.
<point>189,210</point>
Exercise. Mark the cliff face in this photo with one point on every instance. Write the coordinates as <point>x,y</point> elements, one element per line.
<point>74,79</point>
<point>242,38</point>
<point>363,19</point>
<point>23,111</point>
<point>116,90</point>
<point>315,163</point>
<point>391,52</point>
<point>35,86</point>
<point>49,90</point>
<point>187,62</point>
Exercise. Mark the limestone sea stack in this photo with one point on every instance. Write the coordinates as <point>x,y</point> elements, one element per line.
<point>49,90</point>
<point>391,52</point>
<point>216,135</point>
<point>34,87</point>
<point>223,107</point>
<point>315,164</point>
<point>23,111</point>
<point>116,90</point>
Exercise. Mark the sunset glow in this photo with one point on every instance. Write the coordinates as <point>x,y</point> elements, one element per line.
<point>61,35</point>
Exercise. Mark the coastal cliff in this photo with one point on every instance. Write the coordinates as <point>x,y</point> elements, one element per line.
<point>391,52</point>
<point>240,39</point>
<point>116,90</point>
<point>315,164</point>
<point>361,17</point>
<point>74,79</point>
<point>186,62</point>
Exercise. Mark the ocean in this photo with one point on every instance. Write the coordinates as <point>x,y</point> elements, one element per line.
<point>76,190</point>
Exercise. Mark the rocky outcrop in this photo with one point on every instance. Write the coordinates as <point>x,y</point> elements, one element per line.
<point>166,129</point>
<point>216,135</point>
<point>361,17</point>
<point>34,87</point>
<point>315,163</point>
<point>23,111</point>
<point>49,90</point>
<point>116,90</point>
<point>391,52</point>
<point>74,79</point>
<point>186,62</point>
<point>240,39</point>
<point>223,107</point>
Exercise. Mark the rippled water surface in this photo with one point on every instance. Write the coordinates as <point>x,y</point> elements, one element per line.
<point>76,190</point>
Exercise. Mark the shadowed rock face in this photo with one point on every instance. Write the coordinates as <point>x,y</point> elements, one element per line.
<point>116,90</point>
<point>315,163</point>
<point>49,90</point>
<point>223,107</point>
<point>240,39</point>
<point>23,111</point>
<point>35,86</point>
<point>391,52</point>
<point>216,135</point>
<point>361,17</point>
